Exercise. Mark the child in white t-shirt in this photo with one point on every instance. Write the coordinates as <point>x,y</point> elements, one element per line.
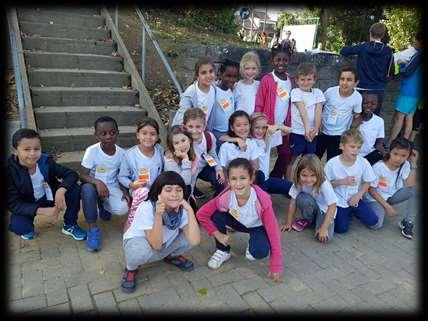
<point>342,104</point>
<point>372,127</point>
<point>100,186</point>
<point>164,227</point>
<point>395,183</point>
<point>314,196</point>
<point>306,109</point>
<point>246,89</point>
<point>350,175</point>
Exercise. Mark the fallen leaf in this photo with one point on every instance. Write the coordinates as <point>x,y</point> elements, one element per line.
<point>203,291</point>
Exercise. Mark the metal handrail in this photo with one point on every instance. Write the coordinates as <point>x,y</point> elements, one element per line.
<point>16,70</point>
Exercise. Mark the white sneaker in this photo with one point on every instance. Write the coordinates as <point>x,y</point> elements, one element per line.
<point>217,259</point>
<point>248,255</point>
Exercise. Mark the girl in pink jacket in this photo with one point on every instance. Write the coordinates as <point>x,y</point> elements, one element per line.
<point>245,208</point>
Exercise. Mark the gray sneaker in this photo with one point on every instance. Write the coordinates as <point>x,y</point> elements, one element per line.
<point>406,228</point>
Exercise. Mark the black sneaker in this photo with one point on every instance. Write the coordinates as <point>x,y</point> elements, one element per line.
<point>406,228</point>
<point>129,281</point>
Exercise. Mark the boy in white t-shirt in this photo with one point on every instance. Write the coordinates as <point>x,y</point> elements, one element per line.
<point>306,109</point>
<point>350,175</point>
<point>342,105</point>
<point>372,127</point>
<point>100,186</point>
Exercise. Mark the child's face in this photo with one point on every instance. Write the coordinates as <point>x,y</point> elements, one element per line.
<point>306,82</point>
<point>229,77</point>
<point>241,127</point>
<point>181,143</point>
<point>239,181</point>
<point>28,151</point>
<point>307,177</point>
<point>250,70</point>
<point>347,82</point>
<point>206,75</point>
<point>259,128</point>
<point>369,104</point>
<point>350,149</point>
<point>147,136</point>
<point>280,62</point>
<point>106,133</point>
<point>171,196</point>
<point>195,127</point>
<point>398,156</point>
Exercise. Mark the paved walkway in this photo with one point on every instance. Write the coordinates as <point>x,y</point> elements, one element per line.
<point>363,270</point>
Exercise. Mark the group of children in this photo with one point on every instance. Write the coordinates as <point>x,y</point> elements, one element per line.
<point>223,133</point>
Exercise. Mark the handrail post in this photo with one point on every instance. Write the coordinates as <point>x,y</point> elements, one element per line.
<point>143,54</point>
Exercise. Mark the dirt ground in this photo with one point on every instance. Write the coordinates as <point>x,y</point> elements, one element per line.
<point>12,112</point>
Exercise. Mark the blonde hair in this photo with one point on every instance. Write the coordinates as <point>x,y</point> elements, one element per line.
<point>352,134</point>
<point>312,163</point>
<point>246,58</point>
<point>305,69</point>
<point>255,117</point>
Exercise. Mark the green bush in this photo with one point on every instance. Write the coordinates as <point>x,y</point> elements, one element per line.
<point>214,20</point>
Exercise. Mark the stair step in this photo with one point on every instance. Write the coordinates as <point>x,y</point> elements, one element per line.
<point>85,116</point>
<point>77,78</point>
<point>62,31</point>
<point>82,96</point>
<point>68,45</point>
<point>71,159</point>
<point>79,10</point>
<point>43,59</point>
<point>64,18</point>
<point>72,139</point>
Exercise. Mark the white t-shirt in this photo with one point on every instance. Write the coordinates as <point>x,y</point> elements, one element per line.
<point>264,160</point>
<point>144,219</point>
<point>282,102</point>
<point>371,130</point>
<point>135,163</point>
<point>361,170</point>
<point>37,181</point>
<point>102,166</point>
<point>245,96</point>
<point>324,198</point>
<point>337,112</point>
<point>224,106</point>
<point>310,99</point>
<point>205,101</point>
<point>247,214</point>
<point>230,151</point>
<point>386,182</point>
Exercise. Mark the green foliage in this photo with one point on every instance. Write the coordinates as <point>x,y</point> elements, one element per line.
<point>402,24</point>
<point>293,18</point>
<point>212,19</point>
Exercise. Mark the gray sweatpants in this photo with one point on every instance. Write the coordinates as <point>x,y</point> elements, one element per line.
<point>405,194</point>
<point>138,250</point>
<point>310,210</point>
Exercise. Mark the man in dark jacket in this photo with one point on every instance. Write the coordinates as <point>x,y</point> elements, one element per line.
<point>34,188</point>
<point>374,62</point>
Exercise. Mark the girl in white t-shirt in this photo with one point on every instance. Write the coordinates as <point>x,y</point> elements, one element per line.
<point>246,89</point>
<point>164,227</point>
<point>99,176</point>
<point>239,145</point>
<point>314,196</point>
<point>181,158</point>
<point>395,183</point>
<point>267,137</point>
<point>142,163</point>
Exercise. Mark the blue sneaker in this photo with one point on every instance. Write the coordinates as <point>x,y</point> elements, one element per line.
<point>75,231</point>
<point>93,239</point>
<point>104,215</point>
<point>28,236</point>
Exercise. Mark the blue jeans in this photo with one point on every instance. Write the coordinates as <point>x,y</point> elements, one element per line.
<point>363,212</point>
<point>259,245</point>
<point>208,174</point>
<point>90,200</point>
<point>274,185</point>
<point>21,224</point>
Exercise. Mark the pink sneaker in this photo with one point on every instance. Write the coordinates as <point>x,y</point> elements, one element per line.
<point>300,224</point>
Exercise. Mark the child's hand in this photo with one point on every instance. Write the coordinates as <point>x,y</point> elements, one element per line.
<point>390,210</point>
<point>312,134</point>
<point>322,234</point>
<point>138,183</point>
<point>286,227</point>
<point>220,177</point>
<point>181,155</point>
<point>414,156</point>
<point>285,129</point>
<point>60,199</point>
<point>102,189</point>
<point>186,206</point>
<point>276,277</point>
<point>350,180</point>
<point>222,238</point>
<point>354,200</point>
<point>160,207</point>
<point>242,144</point>
<point>308,135</point>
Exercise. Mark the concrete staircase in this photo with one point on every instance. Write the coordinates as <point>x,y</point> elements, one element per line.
<point>75,77</point>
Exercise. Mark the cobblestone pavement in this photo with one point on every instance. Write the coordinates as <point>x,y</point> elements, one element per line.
<point>361,271</point>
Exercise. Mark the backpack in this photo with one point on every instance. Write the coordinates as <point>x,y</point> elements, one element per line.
<point>209,140</point>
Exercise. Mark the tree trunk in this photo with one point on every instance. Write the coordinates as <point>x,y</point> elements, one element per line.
<point>322,28</point>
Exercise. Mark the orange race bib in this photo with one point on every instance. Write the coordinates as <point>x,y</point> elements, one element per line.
<point>383,182</point>
<point>224,104</point>
<point>144,174</point>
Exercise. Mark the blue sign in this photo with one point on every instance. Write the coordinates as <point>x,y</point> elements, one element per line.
<point>244,13</point>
